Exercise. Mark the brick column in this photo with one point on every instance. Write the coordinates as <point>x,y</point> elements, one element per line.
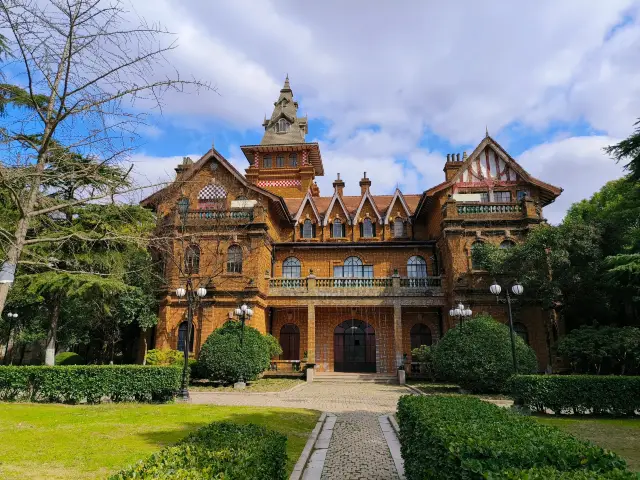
<point>397,332</point>
<point>311,333</point>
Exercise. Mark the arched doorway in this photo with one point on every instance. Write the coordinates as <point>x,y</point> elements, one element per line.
<point>354,347</point>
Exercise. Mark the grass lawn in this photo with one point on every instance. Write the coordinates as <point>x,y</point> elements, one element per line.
<point>40,441</point>
<point>619,435</point>
<point>261,385</point>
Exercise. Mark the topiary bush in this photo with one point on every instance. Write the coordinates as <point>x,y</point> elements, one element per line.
<point>164,357</point>
<point>222,358</point>
<point>69,358</point>
<point>477,355</point>
<point>424,356</point>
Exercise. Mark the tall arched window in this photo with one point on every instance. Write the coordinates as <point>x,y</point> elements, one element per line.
<point>338,231</point>
<point>420,335</point>
<point>506,244</point>
<point>182,335</point>
<point>291,268</point>
<point>192,259</point>
<point>234,259</point>
<point>290,342</point>
<point>307,229</point>
<point>367,228</point>
<point>520,330</point>
<point>416,267</point>
<point>474,263</point>
<point>398,227</point>
<point>282,126</point>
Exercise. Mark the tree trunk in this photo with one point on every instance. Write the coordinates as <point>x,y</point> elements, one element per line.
<point>50,351</point>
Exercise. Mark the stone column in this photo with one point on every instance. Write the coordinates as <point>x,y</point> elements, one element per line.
<point>311,334</point>
<point>397,332</point>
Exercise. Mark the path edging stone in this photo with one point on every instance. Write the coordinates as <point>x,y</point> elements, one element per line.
<point>300,465</point>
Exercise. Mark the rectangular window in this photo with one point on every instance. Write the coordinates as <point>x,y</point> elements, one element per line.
<point>520,194</point>
<point>293,159</point>
<point>484,197</point>
<point>501,196</point>
<point>367,271</point>
<point>280,161</point>
<point>338,271</point>
<point>266,162</point>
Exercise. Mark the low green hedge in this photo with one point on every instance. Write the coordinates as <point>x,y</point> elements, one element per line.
<point>577,394</point>
<point>92,383</point>
<point>219,450</point>
<point>466,438</point>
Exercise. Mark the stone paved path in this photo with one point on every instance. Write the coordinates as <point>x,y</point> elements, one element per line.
<point>358,450</point>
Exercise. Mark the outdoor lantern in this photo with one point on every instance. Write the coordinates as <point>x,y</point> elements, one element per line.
<point>250,312</point>
<point>458,312</point>
<point>495,289</point>
<point>452,313</point>
<point>180,292</point>
<point>517,289</point>
<point>201,292</point>
<point>244,308</point>
<point>238,312</point>
<point>183,206</point>
<point>467,312</point>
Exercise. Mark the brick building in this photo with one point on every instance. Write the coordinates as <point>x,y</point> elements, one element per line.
<point>350,283</point>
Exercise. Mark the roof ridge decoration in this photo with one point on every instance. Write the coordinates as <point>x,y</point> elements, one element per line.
<point>397,196</point>
<point>367,195</point>
<point>307,198</point>
<point>342,205</point>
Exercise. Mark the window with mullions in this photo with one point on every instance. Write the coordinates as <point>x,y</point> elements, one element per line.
<point>266,161</point>
<point>307,229</point>
<point>353,268</point>
<point>338,229</point>
<point>521,194</point>
<point>234,259</point>
<point>192,259</point>
<point>291,268</point>
<point>280,161</point>
<point>416,267</point>
<point>368,230</point>
<point>399,228</point>
<point>501,196</point>
<point>293,159</point>
<point>484,197</point>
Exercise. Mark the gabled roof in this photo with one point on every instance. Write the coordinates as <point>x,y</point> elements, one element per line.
<point>307,199</point>
<point>351,202</point>
<point>397,196</point>
<point>334,199</point>
<point>367,195</point>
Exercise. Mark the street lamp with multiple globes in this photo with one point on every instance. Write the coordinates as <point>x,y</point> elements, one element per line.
<point>517,289</point>
<point>243,313</point>
<point>460,312</point>
<point>192,297</point>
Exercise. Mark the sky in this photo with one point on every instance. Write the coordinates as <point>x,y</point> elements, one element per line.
<point>391,87</point>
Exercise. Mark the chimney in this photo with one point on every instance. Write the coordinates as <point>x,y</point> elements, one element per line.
<point>338,185</point>
<point>452,166</point>
<point>365,184</point>
<point>183,167</point>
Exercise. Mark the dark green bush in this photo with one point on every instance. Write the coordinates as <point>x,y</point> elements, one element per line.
<point>424,356</point>
<point>69,358</point>
<point>76,383</point>
<point>463,437</point>
<point>219,450</point>
<point>275,350</point>
<point>222,358</point>
<point>477,355</point>
<point>577,394</point>
<point>548,473</point>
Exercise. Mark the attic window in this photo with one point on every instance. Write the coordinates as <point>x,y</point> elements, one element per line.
<point>282,126</point>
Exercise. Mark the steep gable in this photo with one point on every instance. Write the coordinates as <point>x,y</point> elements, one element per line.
<point>306,205</point>
<point>398,204</point>
<point>367,200</point>
<point>337,206</point>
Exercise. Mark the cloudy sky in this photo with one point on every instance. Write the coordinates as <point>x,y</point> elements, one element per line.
<point>391,87</point>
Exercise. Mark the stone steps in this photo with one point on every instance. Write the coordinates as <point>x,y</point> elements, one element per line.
<point>340,377</point>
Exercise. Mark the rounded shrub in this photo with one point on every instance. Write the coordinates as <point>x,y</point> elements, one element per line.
<point>164,357</point>
<point>477,355</point>
<point>69,358</point>
<point>223,358</point>
<point>275,350</point>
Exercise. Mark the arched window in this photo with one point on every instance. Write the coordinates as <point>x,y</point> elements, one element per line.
<point>353,268</point>
<point>307,229</point>
<point>420,335</point>
<point>520,330</point>
<point>474,263</point>
<point>506,244</point>
<point>212,197</point>
<point>234,259</point>
<point>398,228</point>
<point>291,268</point>
<point>282,126</point>
<point>192,259</point>
<point>416,267</point>
<point>293,159</point>
<point>337,228</point>
<point>290,342</point>
<point>367,228</point>
<point>182,334</point>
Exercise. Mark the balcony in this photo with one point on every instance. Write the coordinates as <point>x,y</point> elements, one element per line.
<point>354,287</point>
<point>458,212</point>
<point>212,218</point>
<point>488,208</point>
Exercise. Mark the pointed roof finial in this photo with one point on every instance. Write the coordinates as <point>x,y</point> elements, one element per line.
<point>286,83</point>
<point>486,131</point>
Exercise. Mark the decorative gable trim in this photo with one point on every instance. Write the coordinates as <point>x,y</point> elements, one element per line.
<point>397,196</point>
<point>307,199</point>
<point>367,195</point>
<point>337,198</point>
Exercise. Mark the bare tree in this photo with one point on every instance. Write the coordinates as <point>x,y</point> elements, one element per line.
<point>98,69</point>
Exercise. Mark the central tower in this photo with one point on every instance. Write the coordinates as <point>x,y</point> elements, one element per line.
<point>284,163</point>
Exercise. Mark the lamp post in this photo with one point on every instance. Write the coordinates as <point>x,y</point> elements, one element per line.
<point>460,312</point>
<point>517,289</point>
<point>243,313</point>
<point>192,297</point>
<point>11,316</point>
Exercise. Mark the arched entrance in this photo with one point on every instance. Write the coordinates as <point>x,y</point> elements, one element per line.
<point>354,347</point>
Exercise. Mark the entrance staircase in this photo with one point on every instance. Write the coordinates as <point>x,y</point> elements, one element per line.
<point>341,377</point>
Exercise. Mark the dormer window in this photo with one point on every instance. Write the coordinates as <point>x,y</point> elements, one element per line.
<point>282,126</point>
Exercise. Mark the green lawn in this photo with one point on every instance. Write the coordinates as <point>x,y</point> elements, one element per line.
<point>262,385</point>
<point>63,441</point>
<point>619,435</point>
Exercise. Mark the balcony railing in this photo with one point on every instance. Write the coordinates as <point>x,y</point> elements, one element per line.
<point>212,217</point>
<point>288,283</point>
<point>334,282</point>
<point>421,282</point>
<point>488,208</point>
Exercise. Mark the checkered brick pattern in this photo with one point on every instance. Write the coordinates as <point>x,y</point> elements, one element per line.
<point>256,159</point>
<point>279,183</point>
<point>212,192</point>
<point>305,158</point>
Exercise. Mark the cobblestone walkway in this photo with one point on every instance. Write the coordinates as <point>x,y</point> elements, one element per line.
<point>358,450</point>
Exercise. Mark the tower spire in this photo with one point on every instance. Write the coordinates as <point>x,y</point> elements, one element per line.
<point>286,83</point>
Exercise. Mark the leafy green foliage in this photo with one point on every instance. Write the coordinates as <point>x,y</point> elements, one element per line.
<point>578,394</point>
<point>75,383</point>
<point>223,358</point>
<point>628,150</point>
<point>69,358</point>
<point>424,356</point>
<point>275,350</point>
<point>164,357</point>
<point>466,438</point>
<point>219,450</point>
<point>477,355</point>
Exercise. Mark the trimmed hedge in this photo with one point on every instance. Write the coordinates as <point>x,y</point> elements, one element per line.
<point>577,394</point>
<point>219,450</point>
<point>464,437</point>
<point>92,383</point>
<point>69,358</point>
